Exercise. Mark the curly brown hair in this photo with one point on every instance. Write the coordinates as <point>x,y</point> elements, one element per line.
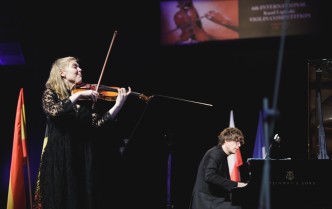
<point>230,134</point>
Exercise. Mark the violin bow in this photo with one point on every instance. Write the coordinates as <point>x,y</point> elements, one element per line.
<point>108,53</point>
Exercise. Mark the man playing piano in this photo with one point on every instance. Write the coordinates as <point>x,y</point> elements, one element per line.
<point>213,185</point>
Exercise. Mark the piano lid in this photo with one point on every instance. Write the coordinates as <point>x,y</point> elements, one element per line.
<point>319,80</point>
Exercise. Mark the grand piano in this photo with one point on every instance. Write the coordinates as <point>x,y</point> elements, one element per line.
<point>292,184</point>
<point>297,183</point>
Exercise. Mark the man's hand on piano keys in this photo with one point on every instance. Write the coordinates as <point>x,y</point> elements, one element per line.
<point>241,184</point>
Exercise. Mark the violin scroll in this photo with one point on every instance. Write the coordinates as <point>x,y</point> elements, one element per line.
<point>141,96</point>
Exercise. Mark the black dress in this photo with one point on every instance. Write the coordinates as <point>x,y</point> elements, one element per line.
<point>65,179</point>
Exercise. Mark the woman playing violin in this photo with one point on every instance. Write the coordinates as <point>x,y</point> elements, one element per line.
<point>65,178</point>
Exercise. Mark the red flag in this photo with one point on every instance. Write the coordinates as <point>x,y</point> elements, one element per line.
<point>16,189</point>
<point>235,160</point>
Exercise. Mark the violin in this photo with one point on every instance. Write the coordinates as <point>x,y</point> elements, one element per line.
<point>106,93</point>
<point>188,20</point>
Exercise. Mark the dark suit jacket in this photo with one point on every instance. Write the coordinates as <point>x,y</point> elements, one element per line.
<point>213,185</point>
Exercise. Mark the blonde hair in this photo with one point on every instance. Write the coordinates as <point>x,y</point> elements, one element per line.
<point>55,81</point>
<point>230,134</point>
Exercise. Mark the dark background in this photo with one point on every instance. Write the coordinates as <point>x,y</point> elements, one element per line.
<point>230,75</point>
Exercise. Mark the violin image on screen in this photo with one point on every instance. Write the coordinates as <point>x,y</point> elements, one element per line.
<point>107,93</point>
<point>187,19</point>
